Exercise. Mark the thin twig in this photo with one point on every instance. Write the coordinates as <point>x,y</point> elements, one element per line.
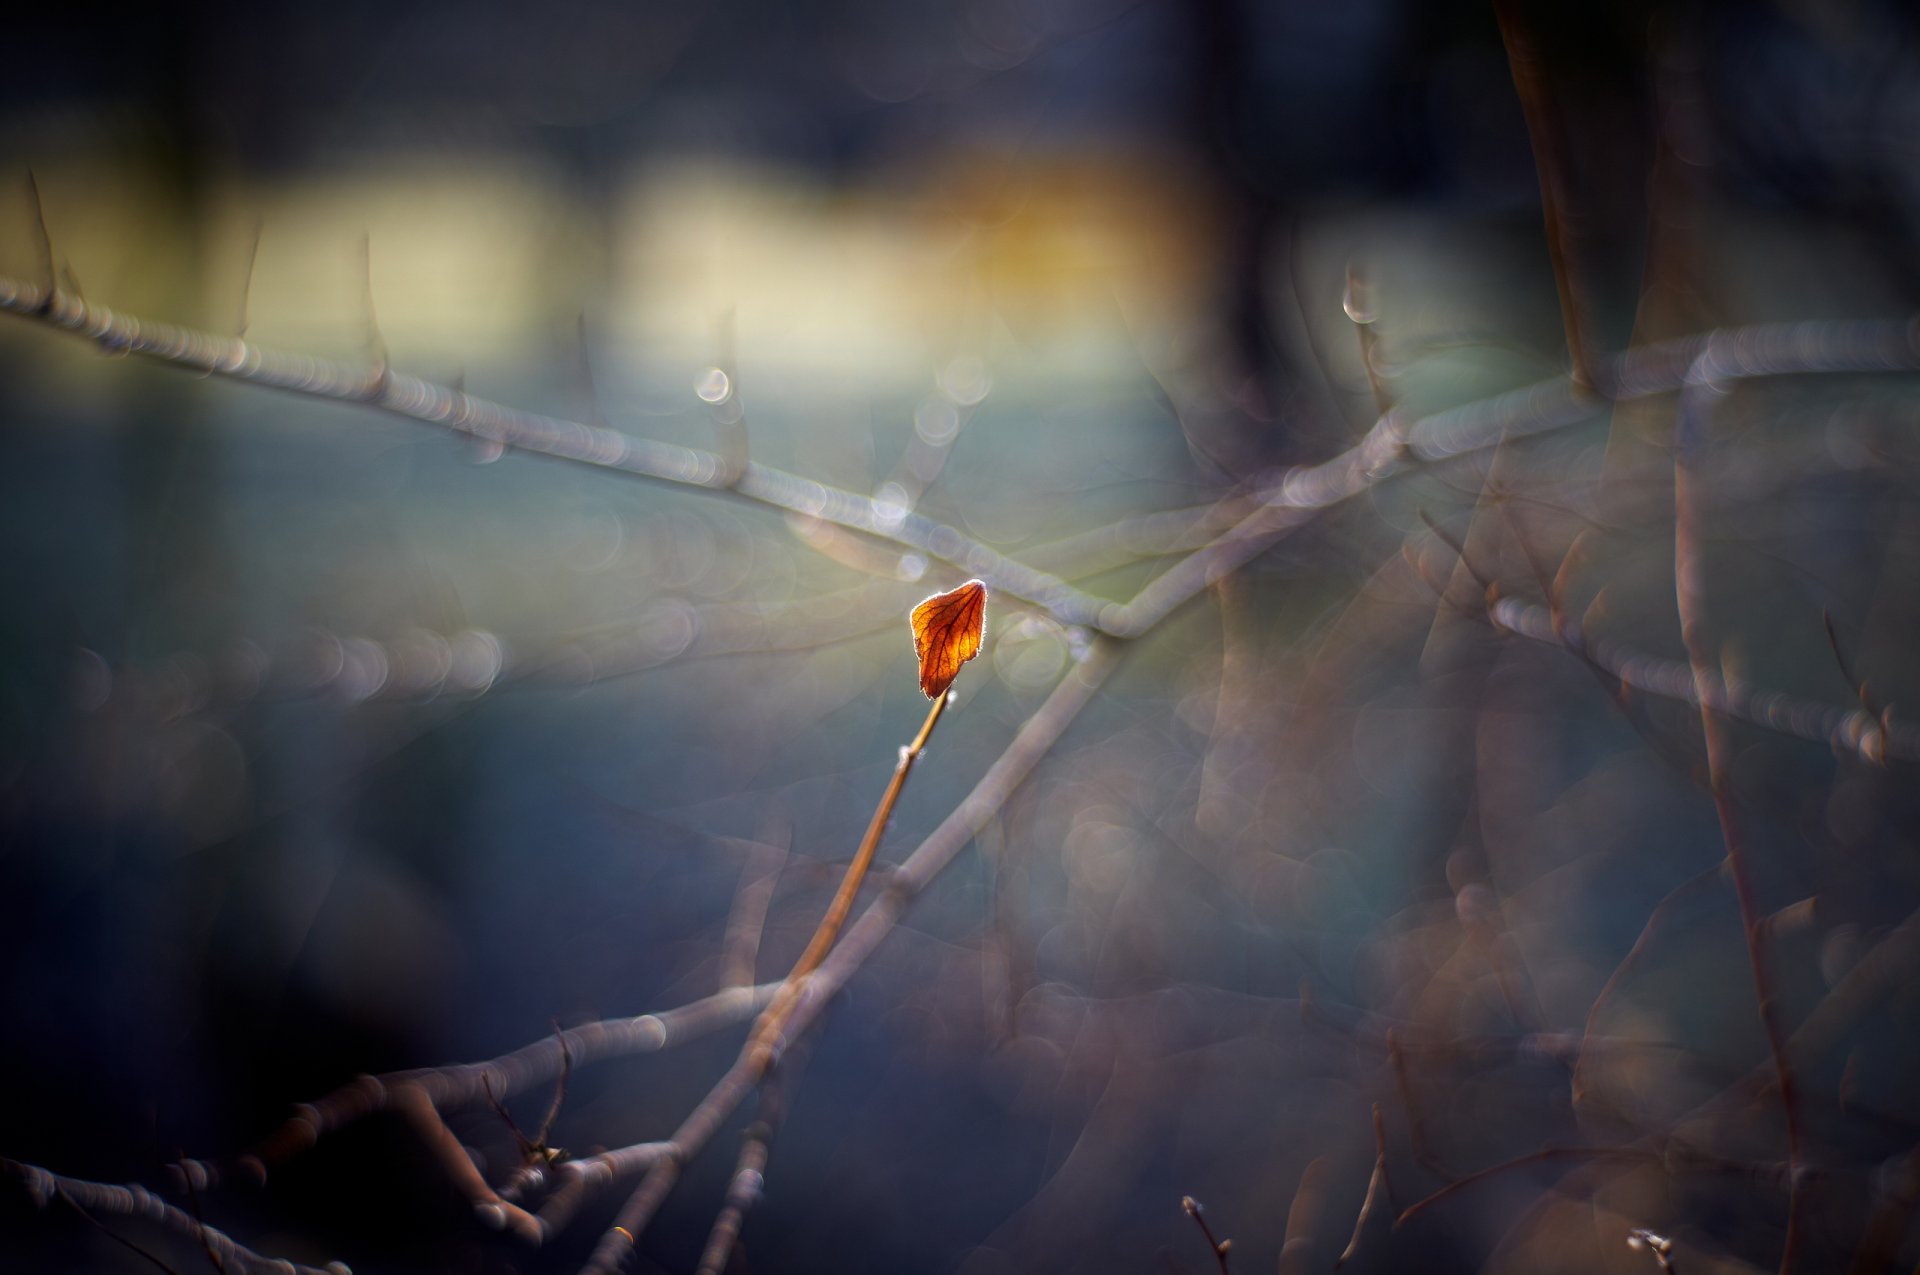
<point>559,1091</point>
<point>243,318</point>
<point>1690,576</point>
<point>1874,747</point>
<point>1655,920</point>
<point>1032,742</point>
<point>1546,1155</point>
<point>576,442</point>
<point>1220,1248</point>
<point>1543,132</point>
<point>749,1171</point>
<point>43,1186</point>
<point>1250,525</point>
<point>61,1194</point>
<point>747,919</point>
<point>467,1084</point>
<point>1358,303</point>
<point>1849,731</point>
<point>199,1221</point>
<point>43,245</point>
<point>1376,1183</point>
<point>1416,1127</point>
<point>766,1040</point>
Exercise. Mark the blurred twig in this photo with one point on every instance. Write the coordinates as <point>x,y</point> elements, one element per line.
<point>43,1187</point>
<point>1690,575</point>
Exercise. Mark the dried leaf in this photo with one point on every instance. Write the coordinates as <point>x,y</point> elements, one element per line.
<point>947,628</point>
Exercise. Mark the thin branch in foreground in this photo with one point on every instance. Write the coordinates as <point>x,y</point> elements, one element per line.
<point>97,1199</point>
<point>1416,1126</point>
<point>1293,497</point>
<point>376,341</point>
<point>498,425</point>
<point>1543,131</point>
<point>1874,747</point>
<point>467,1084</point>
<point>1546,1155</point>
<point>457,1167</point>
<point>537,1156</point>
<point>752,898</point>
<point>947,630</point>
<point>766,1042</point>
<point>1378,1183</point>
<point>749,1171</point>
<point>1690,592</point>
<point>199,1220</point>
<point>61,1194</point>
<point>1220,1248</point>
<point>1358,303</point>
<point>1030,743</point>
<point>1655,920</point>
<point>1846,731</point>
<point>42,243</point>
<point>243,318</point>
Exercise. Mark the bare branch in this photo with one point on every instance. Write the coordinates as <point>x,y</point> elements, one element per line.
<point>1690,575</point>
<point>97,1199</point>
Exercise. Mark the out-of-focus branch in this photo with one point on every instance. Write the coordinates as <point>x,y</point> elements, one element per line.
<point>749,1170</point>
<point>815,991</point>
<point>1655,920</point>
<point>1543,131</point>
<point>44,1187</point>
<point>1690,580</point>
<point>455,410</point>
<point>469,1084</point>
<point>1851,731</point>
<point>1292,498</point>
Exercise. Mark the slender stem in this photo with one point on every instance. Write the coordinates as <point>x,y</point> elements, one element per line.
<point>1543,133</point>
<point>1246,523</point>
<point>1040,732</point>
<point>1690,588</point>
<point>1546,1155</point>
<point>767,1030</point>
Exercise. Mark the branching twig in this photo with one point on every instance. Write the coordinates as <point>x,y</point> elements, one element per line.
<point>1845,731</point>
<point>1546,1155</point>
<point>1377,1182</point>
<point>468,1084</point>
<point>1293,498</point>
<point>1543,131</point>
<point>93,1199</point>
<point>1008,771</point>
<point>1220,1248</point>
<point>743,1189</point>
<point>1655,920</point>
<point>765,1045</point>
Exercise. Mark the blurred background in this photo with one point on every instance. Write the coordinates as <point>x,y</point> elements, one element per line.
<point>331,743</point>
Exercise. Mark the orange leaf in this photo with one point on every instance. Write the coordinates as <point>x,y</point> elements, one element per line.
<point>947,628</point>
